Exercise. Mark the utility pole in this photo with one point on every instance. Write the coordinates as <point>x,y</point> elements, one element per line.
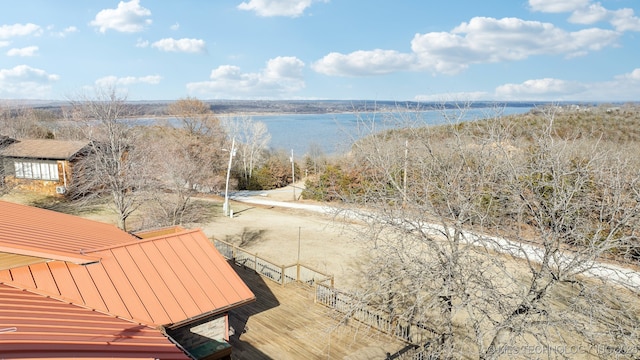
<point>298,263</point>
<point>293,176</point>
<point>404,176</point>
<point>232,153</point>
<point>299,230</point>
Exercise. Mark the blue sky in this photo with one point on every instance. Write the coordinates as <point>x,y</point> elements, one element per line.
<point>454,50</point>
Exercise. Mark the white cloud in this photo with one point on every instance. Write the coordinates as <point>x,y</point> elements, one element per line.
<point>290,8</point>
<point>4,43</point>
<point>283,67</point>
<point>175,26</point>
<point>623,87</point>
<point>9,31</point>
<point>25,82</point>
<point>622,20</point>
<point>180,45</point>
<point>282,76</point>
<point>113,81</point>
<point>555,6</point>
<point>61,34</point>
<point>362,63</point>
<point>25,51</point>
<point>481,40</point>
<point>625,20</point>
<point>142,43</point>
<point>588,12</point>
<point>539,89</point>
<point>68,30</point>
<point>632,76</point>
<point>455,97</point>
<point>127,17</point>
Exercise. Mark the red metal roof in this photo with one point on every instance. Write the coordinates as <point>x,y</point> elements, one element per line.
<point>169,279</point>
<point>31,231</point>
<point>36,326</point>
<point>157,281</point>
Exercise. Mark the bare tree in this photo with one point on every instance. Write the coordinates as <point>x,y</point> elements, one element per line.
<point>187,159</point>
<point>486,243</point>
<point>117,165</point>
<point>202,139</point>
<point>252,139</point>
<point>195,116</point>
<point>314,158</point>
<point>183,166</point>
<point>22,122</point>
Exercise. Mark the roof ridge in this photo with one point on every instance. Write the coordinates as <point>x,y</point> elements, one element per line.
<point>80,259</point>
<point>141,241</point>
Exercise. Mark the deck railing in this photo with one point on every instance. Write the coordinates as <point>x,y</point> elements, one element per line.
<point>325,293</point>
<point>281,274</point>
<point>348,304</point>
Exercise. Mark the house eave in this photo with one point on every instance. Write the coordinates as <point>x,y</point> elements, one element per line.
<point>209,313</point>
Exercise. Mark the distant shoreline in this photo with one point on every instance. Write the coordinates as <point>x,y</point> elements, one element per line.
<point>287,107</point>
<point>158,109</point>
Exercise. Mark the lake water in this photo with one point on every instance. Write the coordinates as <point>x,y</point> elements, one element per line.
<point>334,133</point>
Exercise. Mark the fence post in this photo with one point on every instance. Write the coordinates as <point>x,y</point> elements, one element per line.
<point>284,275</point>
<point>255,262</point>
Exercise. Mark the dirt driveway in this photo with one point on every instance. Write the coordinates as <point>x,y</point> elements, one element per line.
<point>280,234</point>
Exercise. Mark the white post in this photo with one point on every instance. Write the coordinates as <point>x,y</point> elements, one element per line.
<point>404,178</point>
<point>299,230</point>
<point>64,174</point>
<point>225,206</point>
<point>293,176</point>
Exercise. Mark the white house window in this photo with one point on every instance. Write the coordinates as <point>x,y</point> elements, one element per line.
<point>37,170</point>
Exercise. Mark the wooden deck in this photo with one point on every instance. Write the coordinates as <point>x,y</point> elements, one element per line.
<point>285,323</point>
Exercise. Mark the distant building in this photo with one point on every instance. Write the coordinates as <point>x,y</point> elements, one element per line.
<point>77,288</point>
<point>41,166</point>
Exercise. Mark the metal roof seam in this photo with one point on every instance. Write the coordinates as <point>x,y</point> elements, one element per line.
<point>213,280</point>
<point>43,294</point>
<point>88,321</point>
<point>182,285</point>
<point>115,259</point>
<point>153,263</point>
<point>75,284</point>
<point>83,306</point>
<point>54,279</point>
<point>150,283</point>
<point>192,277</point>
<point>31,274</point>
<point>106,287</point>
<point>144,303</point>
<point>46,231</point>
<point>188,267</point>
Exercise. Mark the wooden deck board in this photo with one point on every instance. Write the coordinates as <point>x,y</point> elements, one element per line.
<point>285,323</point>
